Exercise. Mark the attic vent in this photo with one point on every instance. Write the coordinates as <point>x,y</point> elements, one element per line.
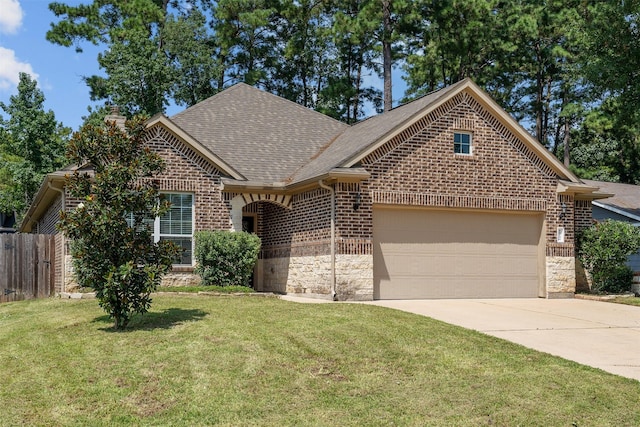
<point>463,124</point>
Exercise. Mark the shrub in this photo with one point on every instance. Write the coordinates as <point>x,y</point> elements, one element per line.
<point>603,249</point>
<point>226,258</point>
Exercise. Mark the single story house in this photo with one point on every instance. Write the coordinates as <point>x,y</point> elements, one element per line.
<point>443,197</point>
<point>623,205</point>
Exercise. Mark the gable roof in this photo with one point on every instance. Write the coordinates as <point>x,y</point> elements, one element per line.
<point>363,138</point>
<point>262,136</point>
<point>624,199</point>
<point>267,143</point>
<point>220,164</point>
<point>367,133</point>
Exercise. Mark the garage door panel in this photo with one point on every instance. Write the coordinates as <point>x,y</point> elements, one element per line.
<point>420,253</point>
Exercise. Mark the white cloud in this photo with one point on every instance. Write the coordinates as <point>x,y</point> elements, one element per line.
<point>11,16</point>
<point>11,67</point>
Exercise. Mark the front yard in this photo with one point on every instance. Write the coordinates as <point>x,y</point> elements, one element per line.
<point>197,360</point>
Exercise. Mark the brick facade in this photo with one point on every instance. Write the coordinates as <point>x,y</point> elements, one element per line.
<point>417,168</point>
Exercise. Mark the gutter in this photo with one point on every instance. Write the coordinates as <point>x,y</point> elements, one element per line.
<point>61,191</point>
<point>334,295</point>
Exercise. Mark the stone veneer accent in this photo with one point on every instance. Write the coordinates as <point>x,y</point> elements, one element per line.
<point>308,275</point>
<point>311,276</point>
<point>70,281</point>
<point>177,278</point>
<point>561,276</point>
<point>354,277</point>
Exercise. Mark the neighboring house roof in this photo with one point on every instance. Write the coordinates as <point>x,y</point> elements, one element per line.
<point>262,136</point>
<point>625,199</point>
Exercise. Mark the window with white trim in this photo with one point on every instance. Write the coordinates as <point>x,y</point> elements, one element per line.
<point>462,143</point>
<point>175,225</point>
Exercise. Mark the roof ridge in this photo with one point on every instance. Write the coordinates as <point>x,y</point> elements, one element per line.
<point>238,85</point>
<point>215,95</point>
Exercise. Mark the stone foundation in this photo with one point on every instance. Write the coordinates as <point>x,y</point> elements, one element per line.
<point>561,277</point>
<point>180,279</point>
<point>584,282</point>
<point>354,277</point>
<point>308,275</point>
<point>311,276</point>
<point>171,279</point>
<point>70,282</point>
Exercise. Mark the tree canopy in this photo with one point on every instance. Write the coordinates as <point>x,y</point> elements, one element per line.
<point>555,65</point>
<point>32,144</point>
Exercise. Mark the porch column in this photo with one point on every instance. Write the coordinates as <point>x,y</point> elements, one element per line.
<point>236,213</point>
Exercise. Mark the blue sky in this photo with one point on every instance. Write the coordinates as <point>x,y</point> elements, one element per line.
<point>58,70</point>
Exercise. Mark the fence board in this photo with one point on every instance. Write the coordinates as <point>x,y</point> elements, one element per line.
<point>27,266</point>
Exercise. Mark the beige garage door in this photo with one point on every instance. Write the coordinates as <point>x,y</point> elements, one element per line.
<point>427,253</point>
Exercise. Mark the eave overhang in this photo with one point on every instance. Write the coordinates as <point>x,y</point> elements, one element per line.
<point>580,190</point>
<point>346,175</point>
<point>48,192</point>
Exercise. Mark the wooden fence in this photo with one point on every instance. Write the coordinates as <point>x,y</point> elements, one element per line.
<point>27,266</point>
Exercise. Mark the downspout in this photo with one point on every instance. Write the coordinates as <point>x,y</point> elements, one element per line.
<point>334,295</point>
<point>64,246</point>
<point>61,191</point>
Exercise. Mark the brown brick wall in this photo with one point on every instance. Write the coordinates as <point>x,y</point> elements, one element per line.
<point>583,215</point>
<point>187,172</point>
<point>301,230</point>
<point>502,173</point>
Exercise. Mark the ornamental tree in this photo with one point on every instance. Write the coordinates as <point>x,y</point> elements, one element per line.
<point>112,244</point>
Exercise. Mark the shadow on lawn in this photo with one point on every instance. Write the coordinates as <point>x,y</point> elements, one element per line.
<point>152,320</point>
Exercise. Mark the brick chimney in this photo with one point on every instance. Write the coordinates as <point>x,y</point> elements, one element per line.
<point>115,117</point>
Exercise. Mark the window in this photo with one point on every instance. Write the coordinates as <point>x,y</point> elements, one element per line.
<point>175,225</point>
<point>462,143</point>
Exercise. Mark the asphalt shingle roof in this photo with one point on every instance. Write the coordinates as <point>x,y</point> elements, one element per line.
<point>626,197</point>
<point>359,137</point>
<point>264,137</point>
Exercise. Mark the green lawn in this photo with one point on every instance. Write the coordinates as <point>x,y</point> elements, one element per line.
<point>627,300</point>
<point>197,360</point>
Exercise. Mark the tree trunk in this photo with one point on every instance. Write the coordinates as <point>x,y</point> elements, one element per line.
<point>386,54</point>
<point>567,143</point>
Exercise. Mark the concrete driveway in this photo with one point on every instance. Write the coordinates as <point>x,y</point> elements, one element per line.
<point>594,333</point>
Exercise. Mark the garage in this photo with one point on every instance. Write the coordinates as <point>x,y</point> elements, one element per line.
<point>445,253</point>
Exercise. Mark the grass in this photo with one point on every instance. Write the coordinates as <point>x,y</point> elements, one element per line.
<point>263,361</point>
<point>627,300</point>
<point>214,289</point>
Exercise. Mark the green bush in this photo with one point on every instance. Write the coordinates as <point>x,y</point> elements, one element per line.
<point>226,258</point>
<point>603,249</point>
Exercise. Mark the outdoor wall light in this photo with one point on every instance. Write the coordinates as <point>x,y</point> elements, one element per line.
<point>356,202</point>
<point>564,210</point>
